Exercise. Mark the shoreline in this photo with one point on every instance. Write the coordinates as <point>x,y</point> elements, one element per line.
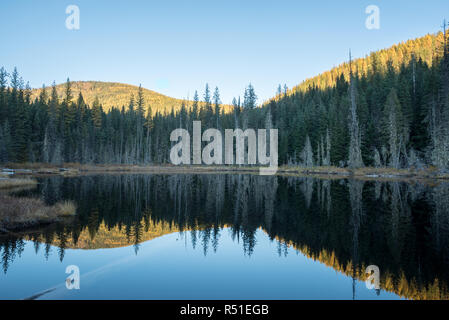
<point>367,173</point>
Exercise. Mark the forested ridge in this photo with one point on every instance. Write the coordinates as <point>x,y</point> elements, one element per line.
<point>389,109</point>
<point>113,94</point>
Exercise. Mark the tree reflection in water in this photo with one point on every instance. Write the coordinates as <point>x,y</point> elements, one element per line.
<point>347,224</point>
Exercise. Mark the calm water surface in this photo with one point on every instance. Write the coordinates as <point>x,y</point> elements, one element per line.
<point>233,237</point>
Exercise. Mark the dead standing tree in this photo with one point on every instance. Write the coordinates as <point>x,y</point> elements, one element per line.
<point>355,153</point>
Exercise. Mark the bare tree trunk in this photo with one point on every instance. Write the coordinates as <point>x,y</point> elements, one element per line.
<point>355,153</point>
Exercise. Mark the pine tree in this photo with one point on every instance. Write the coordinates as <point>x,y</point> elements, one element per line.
<point>140,121</point>
<point>208,113</point>
<point>96,113</point>
<point>19,119</point>
<point>195,106</point>
<point>3,95</point>
<point>327,156</point>
<point>250,97</point>
<point>395,128</point>
<point>355,153</point>
<point>377,159</point>
<point>5,142</point>
<point>149,125</point>
<point>307,154</point>
<point>217,107</point>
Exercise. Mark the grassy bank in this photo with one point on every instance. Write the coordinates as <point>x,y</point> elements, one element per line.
<point>17,213</point>
<point>369,172</point>
<point>11,183</point>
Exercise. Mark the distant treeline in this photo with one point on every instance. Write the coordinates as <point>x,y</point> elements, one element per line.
<point>389,109</point>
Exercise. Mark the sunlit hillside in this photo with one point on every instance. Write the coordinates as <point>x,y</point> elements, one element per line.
<point>114,94</point>
<point>423,48</point>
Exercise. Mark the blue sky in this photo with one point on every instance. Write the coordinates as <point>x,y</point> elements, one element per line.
<point>175,47</point>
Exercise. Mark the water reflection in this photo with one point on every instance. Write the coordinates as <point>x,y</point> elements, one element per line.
<point>346,224</point>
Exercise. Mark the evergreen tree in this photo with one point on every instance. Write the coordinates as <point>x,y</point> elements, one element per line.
<point>217,103</point>
<point>394,125</point>
<point>250,97</point>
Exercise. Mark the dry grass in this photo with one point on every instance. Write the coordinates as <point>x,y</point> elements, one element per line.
<point>368,172</point>
<point>9,183</point>
<point>65,208</point>
<point>16,213</point>
<point>75,169</point>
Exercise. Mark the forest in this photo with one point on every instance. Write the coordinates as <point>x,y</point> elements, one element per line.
<point>389,109</point>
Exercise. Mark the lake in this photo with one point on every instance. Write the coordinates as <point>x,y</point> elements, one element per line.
<point>229,236</point>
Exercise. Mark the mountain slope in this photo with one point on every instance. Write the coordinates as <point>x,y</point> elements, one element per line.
<point>113,94</point>
<point>393,113</point>
<point>423,48</point>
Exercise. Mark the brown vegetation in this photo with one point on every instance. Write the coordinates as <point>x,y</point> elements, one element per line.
<point>365,173</point>
<point>6,183</point>
<point>16,213</point>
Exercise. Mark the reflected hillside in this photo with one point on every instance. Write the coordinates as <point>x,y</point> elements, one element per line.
<point>345,224</point>
<point>400,285</point>
<point>105,237</point>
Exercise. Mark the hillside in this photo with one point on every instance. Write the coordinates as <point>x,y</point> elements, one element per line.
<point>423,48</point>
<point>393,111</point>
<point>113,94</point>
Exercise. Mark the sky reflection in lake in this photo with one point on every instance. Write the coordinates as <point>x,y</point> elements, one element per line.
<point>233,237</point>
